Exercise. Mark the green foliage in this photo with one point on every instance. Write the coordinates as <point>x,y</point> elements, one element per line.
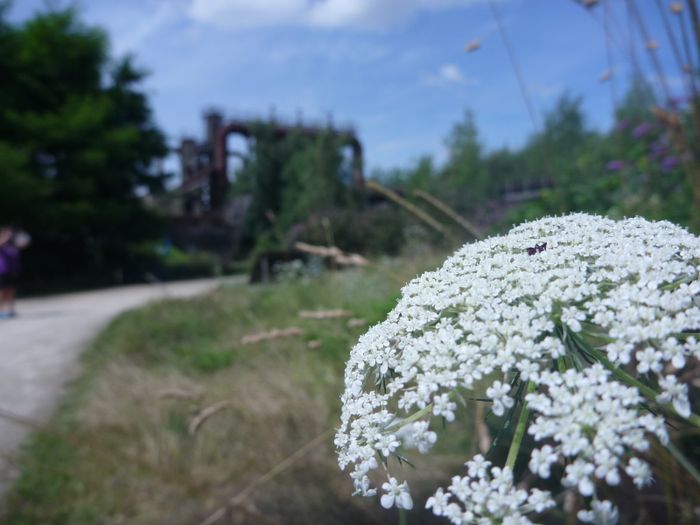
<point>630,170</point>
<point>313,180</point>
<point>77,143</point>
<point>464,182</point>
<point>375,231</point>
<point>291,179</point>
<point>49,448</point>
<point>178,335</point>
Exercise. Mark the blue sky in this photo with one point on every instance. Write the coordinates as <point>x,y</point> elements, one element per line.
<point>396,69</point>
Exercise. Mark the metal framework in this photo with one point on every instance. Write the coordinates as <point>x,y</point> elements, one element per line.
<point>205,165</point>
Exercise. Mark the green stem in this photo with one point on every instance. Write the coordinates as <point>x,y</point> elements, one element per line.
<point>677,283</point>
<point>402,517</point>
<point>410,419</point>
<point>687,465</point>
<point>626,378</point>
<point>519,430</point>
<point>620,374</point>
<point>646,391</point>
<point>561,364</point>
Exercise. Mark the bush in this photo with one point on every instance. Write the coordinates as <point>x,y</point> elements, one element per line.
<point>378,230</point>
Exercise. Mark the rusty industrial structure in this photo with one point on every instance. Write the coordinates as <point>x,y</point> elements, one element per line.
<point>205,165</point>
<point>204,216</point>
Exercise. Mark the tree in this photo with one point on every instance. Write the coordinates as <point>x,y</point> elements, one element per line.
<point>291,179</point>
<point>464,181</point>
<point>77,147</point>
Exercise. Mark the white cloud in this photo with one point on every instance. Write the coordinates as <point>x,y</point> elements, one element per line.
<point>132,35</point>
<point>247,13</point>
<point>339,49</point>
<point>329,14</point>
<point>546,92</point>
<point>133,25</point>
<point>449,74</point>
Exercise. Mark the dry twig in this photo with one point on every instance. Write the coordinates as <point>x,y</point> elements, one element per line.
<point>179,393</point>
<point>472,46</point>
<point>206,413</point>
<point>324,314</point>
<point>483,436</point>
<point>334,253</point>
<point>275,333</point>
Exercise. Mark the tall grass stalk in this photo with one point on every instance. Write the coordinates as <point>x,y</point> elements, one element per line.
<point>411,208</point>
<point>468,227</point>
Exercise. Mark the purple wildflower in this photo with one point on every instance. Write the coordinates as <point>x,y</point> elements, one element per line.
<point>622,125</point>
<point>658,149</point>
<point>641,130</point>
<point>669,163</point>
<point>615,165</point>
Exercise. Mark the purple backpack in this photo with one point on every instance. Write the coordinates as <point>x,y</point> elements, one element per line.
<point>9,259</point>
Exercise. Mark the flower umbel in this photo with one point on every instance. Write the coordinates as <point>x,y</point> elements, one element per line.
<point>599,324</point>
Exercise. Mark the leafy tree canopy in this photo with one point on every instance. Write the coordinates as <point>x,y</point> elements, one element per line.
<point>77,145</point>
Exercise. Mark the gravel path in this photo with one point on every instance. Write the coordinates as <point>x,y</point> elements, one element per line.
<point>39,352</point>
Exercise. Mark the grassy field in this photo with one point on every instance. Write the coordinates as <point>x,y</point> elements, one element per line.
<point>173,416</point>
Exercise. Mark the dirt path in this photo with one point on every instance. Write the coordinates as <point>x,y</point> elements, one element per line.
<point>39,352</point>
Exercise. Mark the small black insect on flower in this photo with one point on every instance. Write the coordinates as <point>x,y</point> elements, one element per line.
<point>539,247</point>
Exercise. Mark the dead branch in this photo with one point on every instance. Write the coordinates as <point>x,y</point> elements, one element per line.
<point>334,253</point>
<point>275,333</point>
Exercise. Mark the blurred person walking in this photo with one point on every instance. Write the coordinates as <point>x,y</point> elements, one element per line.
<point>11,244</point>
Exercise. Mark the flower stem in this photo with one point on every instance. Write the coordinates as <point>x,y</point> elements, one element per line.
<point>626,378</point>
<point>647,392</point>
<point>687,465</point>
<point>410,419</point>
<point>402,517</point>
<point>519,430</point>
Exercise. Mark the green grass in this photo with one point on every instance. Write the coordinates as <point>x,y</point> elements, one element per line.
<point>202,334</point>
<point>118,451</point>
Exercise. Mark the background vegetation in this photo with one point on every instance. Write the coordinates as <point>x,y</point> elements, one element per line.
<point>78,156</point>
<point>629,170</point>
<point>79,153</point>
<point>121,449</point>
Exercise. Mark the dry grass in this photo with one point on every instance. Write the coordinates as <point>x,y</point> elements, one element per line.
<point>174,417</point>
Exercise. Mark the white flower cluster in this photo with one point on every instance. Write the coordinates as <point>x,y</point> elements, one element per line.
<point>487,494</point>
<point>601,513</point>
<point>493,310</point>
<point>593,421</point>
